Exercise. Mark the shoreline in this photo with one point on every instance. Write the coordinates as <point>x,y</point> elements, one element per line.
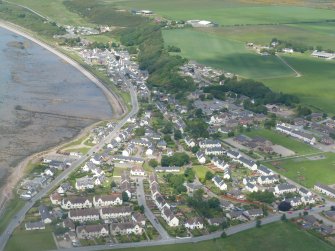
<point>118,110</point>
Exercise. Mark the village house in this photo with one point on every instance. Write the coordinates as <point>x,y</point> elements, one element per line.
<point>216,221</point>
<point>83,215</point>
<point>284,188</point>
<point>307,200</point>
<point>45,214</point>
<point>251,188</point>
<point>137,171</point>
<point>253,213</point>
<point>194,223</point>
<point>34,225</point>
<point>167,169</point>
<point>125,228</point>
<point>214,151</point>
<point>227,174</point>
<point>67,223</point>
<point>169,217</point>
<point>233,154</point>
<point>92,231</point>
<point>129,150</point>
<point>63,188</point>
<point>84,183</point>
<point>55,198</point>
<point>295,201</point>
<point>251,180</point>
<point>304,192</point>
<point>107,200</point>
<point>76,203</point>
<point>221,164</point>
<point>123,159</point>
<point>160,201</point>
<point>138,218</point>
<point>236,215</point>
<point>219,182</point>
<point>208,143</point>
<point>267,180</point>
<point>263,170</point>
<point>189,141</point>
<point>250,164</point>
<point>107,213</point>
<point>201,157</point>
<point>325,190</point>
<point>308,138</point>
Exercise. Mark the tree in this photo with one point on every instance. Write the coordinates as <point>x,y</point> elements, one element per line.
<point>189,174</point>
<point>177,135</point>
<point>125,197</point>
<point>209,175</point>
<point>153,163</point>
<point>141,209</point>
<point>284,206</point>
<point>197,128</point>
<point>266,197</point>
<point>283,217</point>
<point>140,131</point>
<point>214,203</point>
<point>223,235</point>
<point>258,223</point>
<point>113,184</point>
<point>167,128</point>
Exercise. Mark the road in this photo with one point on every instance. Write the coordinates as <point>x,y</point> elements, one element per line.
<point>151,217</point>
<point>64,175</point>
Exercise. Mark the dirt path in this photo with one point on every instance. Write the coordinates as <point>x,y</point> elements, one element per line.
<point>297,74</point>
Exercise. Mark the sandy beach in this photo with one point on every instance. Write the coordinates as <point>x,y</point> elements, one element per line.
<point>119,109</point>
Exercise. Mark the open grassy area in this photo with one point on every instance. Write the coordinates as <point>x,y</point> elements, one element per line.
<point>219,52</point>
<point>201,171</point>
<point>316,86</point>
<point>228,12</point>
<point>37,240</point>
<point>275,237</point>
<point>280,139</point>
<point>308,172</point>
<point>13,206</point>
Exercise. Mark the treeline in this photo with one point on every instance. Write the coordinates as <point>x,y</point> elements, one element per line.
<point>297,46</point>
<point>257,91</point>
<point>162,67</point>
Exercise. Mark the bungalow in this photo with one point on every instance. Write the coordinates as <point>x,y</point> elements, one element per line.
<point>221,164</point>
<point>201,157</point>
<point>76,203</point>
<point>125,228</point>
<point>267,180</point>
<point>233,154</point>
<point>167,169</point>
<point>219,182</point>
<point>194,223</point>
<point>251,188</point>
<point>82,215</point>
<point>284,188</point>
<point>250,164</point>
<point>236,215</point>
<point>34,225</point>
<point>137,171</point>
<point>216,221</point>
<point>138,218</point>
<point>92,231</point>
<point>208,143</point>
<point>325,190</point>
<point>189,141</point>
<point>63,188</point>
<point>253,213</point>
<point>214,151</point>
<point>169,217</point>
<point>45,214</point>
<point>107,200</point>
<point>107,213</point>
<point>84,183</point>
<point>55,198</point>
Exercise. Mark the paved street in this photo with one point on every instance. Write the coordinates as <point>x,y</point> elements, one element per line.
<point>64,175</point>
<point>147,211</point>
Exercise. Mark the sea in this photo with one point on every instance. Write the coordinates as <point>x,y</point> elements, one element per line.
<point>44,101</point>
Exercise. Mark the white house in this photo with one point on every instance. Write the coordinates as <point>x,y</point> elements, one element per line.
<point>284,188</point>
<point>251,188</point>
<point>137,171</point>
<point>201,157</point>
<point>233,154</point>
<point>221,164</point>
<point>107,213</point>
<point>214,151</point>
<point>83,215</point>
<point>84,183</point>
<point>267,180</point>
<point>76,203</point>
<point>219,182</point>
<point>107,200</point>
<point>194,223</point>
<point>208,143</point>
<point>92,231</point>
<point>189,141</point>
<point>325,190</point>
<point>250,164</point>
<point>169,217</point>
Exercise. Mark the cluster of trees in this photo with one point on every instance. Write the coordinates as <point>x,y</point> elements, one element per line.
<point>176,182</point>
<point>197,128</point>
<point>257,91</point>
<point>303,111</point>
<point>266,197</point>
<point>205,208</point>
<point>296,46</point>
<point>172,48</point>
<point>177,159</point>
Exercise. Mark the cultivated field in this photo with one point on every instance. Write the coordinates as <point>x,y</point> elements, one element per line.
<point>275,237</point>
<point>306,171</point>
<point>220,52</point>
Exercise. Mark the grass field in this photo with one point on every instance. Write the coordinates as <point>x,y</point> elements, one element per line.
<point>200,171</point>
<point>280,139</point>
<point>275,237</point>
<point>228,12</point>
<point>308,172</point>
<point>220,52</point>
<point>316,86</point>
<point>54,10</point>
<point>37,240</point>
<point>13,206</point>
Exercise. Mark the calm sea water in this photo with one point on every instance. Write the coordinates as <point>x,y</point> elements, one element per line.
<point>43,100</point>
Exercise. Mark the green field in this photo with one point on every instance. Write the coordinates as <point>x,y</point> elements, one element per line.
<point>228,12</point>
<point>275,237</point>
<point>316,86</point>
<point>220,52</point>
<point>280,139</point>
<point>201,171</point>
<point>13,206</point>
<point>308,172</point>
<point>37,240</point>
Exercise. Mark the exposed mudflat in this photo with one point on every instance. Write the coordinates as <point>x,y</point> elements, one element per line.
<point>43,100</point>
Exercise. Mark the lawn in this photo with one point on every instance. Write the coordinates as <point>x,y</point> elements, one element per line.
<point>316,86</point>
<point>231,55</point>
<point>308,172</point>
<point>275,237</point>
<point>13,206</point>
<point>228,12</point>
<point>37,240</point>
<point>280,139</point>
<point>201,171</point>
